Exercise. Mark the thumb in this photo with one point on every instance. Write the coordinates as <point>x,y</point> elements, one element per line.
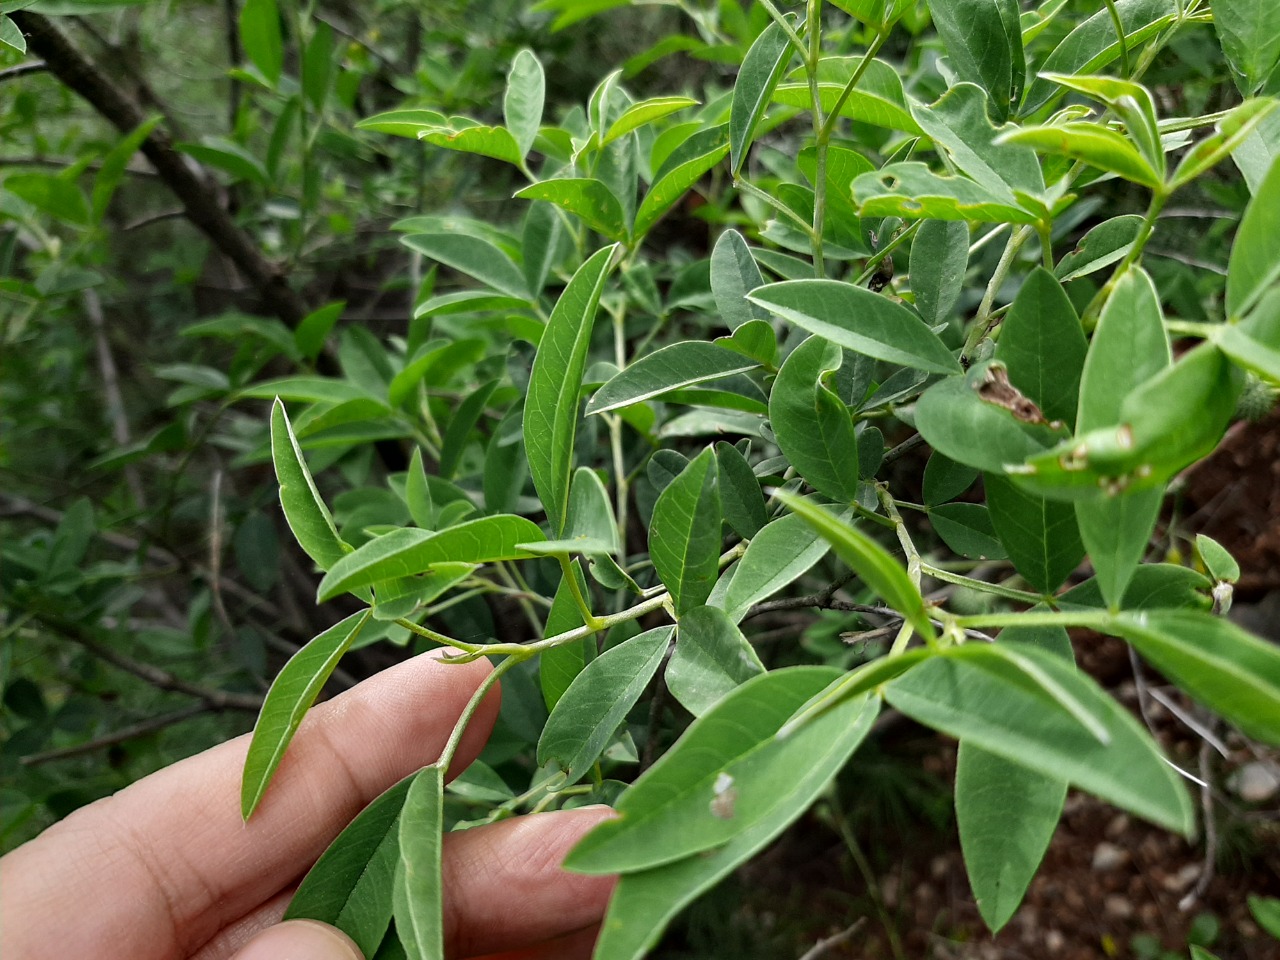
<point>300,940</point>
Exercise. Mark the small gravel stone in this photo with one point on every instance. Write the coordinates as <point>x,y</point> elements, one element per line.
<point>1117,907</point>
<point>1108,857</point>
<point>1254,783</point>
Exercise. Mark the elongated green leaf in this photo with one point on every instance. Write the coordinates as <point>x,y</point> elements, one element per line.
<point>783,551</point>
<point>1154,586</point>
<point>734,274</point>
<point>1266,910</point>
<point>1102,246</point>
<point>408,551</point>
<point>1255,255</point>
<point>870,561</point>
<point>762,68</point>
<point>675,366</point>
<point>597,702</point>
<point>645,112</point>
<point>812,426</point>
<point>1041,535</point>
<point>939,259</point>
<point>558,666</point>
<point>465,135</point>
<point>474,256</point>
<point>645,901</point>
<point>1006,814</point>
<point>227,156</point>
<point>307,390</point>
<point>877,98</point>
<point>1227,669</point>
<point>551,410</point>
<point>260,37</point>
<point>740,496</point>
<point>1249,31</point>
<point>418,892</point>
<point>727,773</point>
<point>311,333</point>
<point>308,517</point>
<point>113,166</point>
<point>460,426</point>
<point>988,709</point>
<point>961,425</point>
<point>292,692</point>
<point>984,41</point>
<point>523,100</point>
<point>966,528</point>
<point>402,123</point>
<point>1092,143</point>
<point>1133,104</point>
<point>711,658</point>
<point>350,886</point>
<point>684,536</point>
<point>682,170</point>
<point>856,318</point>
<point>11,35</point>
<point>592,200</point>
<point>914,192</point>
<point>1230,133</point>
<point>433,364</point>
<point>1043,347</point>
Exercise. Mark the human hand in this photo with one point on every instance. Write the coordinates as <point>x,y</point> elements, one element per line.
<point>166,869</point>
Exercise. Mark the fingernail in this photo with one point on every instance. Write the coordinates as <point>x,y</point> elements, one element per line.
<point>300,940</point>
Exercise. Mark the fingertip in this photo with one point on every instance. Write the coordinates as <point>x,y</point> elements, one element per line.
<point>300,940</point>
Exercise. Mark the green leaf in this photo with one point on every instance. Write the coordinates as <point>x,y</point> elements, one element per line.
<point>317,64</point>
<point>734,274</point>
<point>1041,535</point>
<point>558,666</point>
<point>228,156</point>
<point>260,37</point>
<point>292,692</point>
<point>1249,31</point>
<point>1006,814</point>
<point>1230,133</point>
<point>643,113</point>
<point>467,136</point>
<point>522,102</point>
<point>597,701</point>
<point>1094,43</point>
<point>589,199</point>
<point>939,259</point>
<point>711,658</point>
<point>1133,104</point>
<point>418,892</point>
<point>1217,560</point>
<point>944,479</point>
<point>682,170</point>
<point>1232,672</point>
<point>56,196</point>
<point>1105,244</point>
<point>684,535</point>
<point>959,424</point>
<point>761,70</point>
<point>1093,144</point>
<point>350,886</point>
<point>856,318</point>
<point>984,43</point>
<point>1154,586</point>
<point>674,367</point>
<point>460,426</point>
<point>308,390</point>
<point>402,123</point>
<point>1255,255</point>
<point>782,552</point>
<point>644,902</point>
<point>740,495</point>
<point>590,519</point>
<point>551,410</point>
<point>433,364</point>
<point>877,99</point>
<point>11,35</point>
<point>113,166</point>
<point>966,528</point>
<point>812,425</point>
<point>1241,343</point>
<point>474,256</point>
<point>870,561</point>
<point>1266,910</point>
<point>726,774</point>
<point>1043,347</point>
<point>914,192</point>
<point>408,551</point>
<point>417,493</point>
<point>313,330</point>
<point>967,699</point>
<point>304,509</point>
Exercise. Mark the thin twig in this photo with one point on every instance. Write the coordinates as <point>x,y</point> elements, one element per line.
<point>132,732</point>
<point>22,70</point>
<point>115,410</point>
<point>1210,832</point>
<point>830,943</point>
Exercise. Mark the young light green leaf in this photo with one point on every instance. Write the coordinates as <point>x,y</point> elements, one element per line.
<point>1230,671</point>
<point>1006,814</point>
<point>1102,246</point>
<point>966,699</point>
<point>1249,31</point>
<point>870,561</point>
<point>597,701</point>
<point>914,192</point>
<point>1093,144</point>
<point>308,517</point>
<point>417,897</point>
<point>761,70</point>
<point>684,535</point>
<point>474,256</point>
<point>522,102</point>
<point>686,165</point>
<point>1041,535</point>
<point>645,112</point>
<point>645,901</point>
<point>1255,255</point>
<point>1230,133</point>
<point>402,123</point>
<point>740,495</point>
<point>260,37</point>
<point>292,692</point>
<point>711,658</point>
<point>584,197</point>
<point>856,318</point>
<point>1132,103</point>
<point>813,427</point>
<point>727,773</point>
<point>466,136</point>
<point>939,259</point>
<point>350,886</point>
<point>551,410</point>
<point>675,366</point>
<point>782,552</point>
<point>734,274</point>
<point>1217,560</point>
<point>408,551</point>
<point>984,42</point>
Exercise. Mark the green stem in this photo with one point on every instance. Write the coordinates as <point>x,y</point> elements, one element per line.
<point>428,634</point>
<point>459,728</point>
<point>1124,43</point>
<point>898,240</point>
<point>746,186</point>
<point>778,17</point>
<point>1092,619</point>
<point>1094,310</point>
<point>995,589</point>
<point>983,321</point>
<point>1046,244</point>
<point>575,588</point>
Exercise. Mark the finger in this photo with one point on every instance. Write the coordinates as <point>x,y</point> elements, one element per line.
<point>574,946</point>
<point>159,868</point>
<point>504,888</point>
<point>300,940</point>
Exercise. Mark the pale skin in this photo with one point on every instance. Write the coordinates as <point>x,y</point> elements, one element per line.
<point>167,870</point>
